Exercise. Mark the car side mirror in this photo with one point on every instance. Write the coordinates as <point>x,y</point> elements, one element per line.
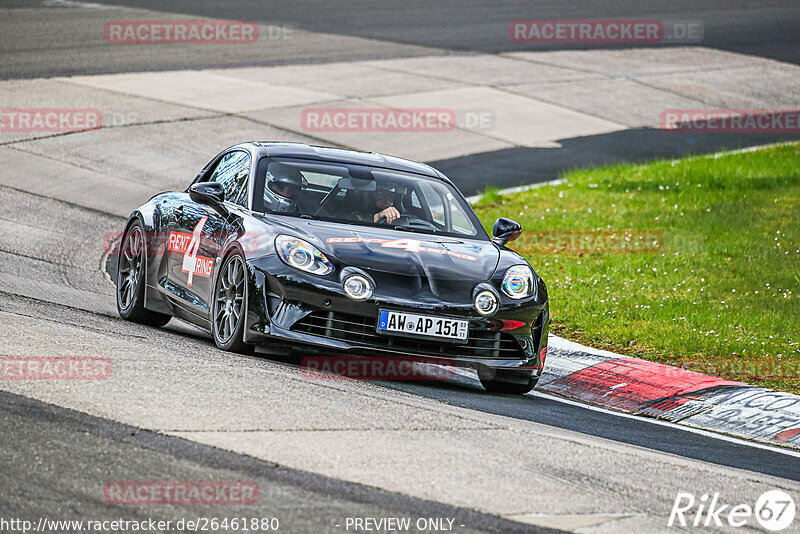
<point>505,230</point>
<point>209,193</point>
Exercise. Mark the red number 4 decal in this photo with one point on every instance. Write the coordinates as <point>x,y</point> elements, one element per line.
<point>409,245</point>
<point>190,257</point>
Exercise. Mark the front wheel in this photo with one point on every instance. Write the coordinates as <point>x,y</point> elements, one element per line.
<point>507,381</point>
<point>230,293</point>
<point>131,266</point>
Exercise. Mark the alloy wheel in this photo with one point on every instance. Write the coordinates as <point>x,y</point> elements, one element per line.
<point>230,299</point>
<point>130,267</point>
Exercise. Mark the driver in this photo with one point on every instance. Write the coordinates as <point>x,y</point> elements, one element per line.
<point>384,206</point>
<point>377,206</point>
<point>284,187</point>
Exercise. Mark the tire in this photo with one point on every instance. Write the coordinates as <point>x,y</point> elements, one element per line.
<point>131,267</point>
<point>228,306</point>
<point>506,381</point>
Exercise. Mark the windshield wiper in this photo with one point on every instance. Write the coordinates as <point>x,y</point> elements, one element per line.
<point>327,219</point>
<point>415,230</point>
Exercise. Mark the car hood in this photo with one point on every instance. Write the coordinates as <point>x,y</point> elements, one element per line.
<point>379,250</point>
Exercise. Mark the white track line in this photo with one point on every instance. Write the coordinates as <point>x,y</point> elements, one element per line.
<point>516,189</point>
<point>471,375</point>
<point>707,433</point>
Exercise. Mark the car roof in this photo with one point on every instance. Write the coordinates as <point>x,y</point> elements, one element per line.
<point>341,155</point>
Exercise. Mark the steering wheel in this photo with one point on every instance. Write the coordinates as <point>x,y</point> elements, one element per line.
<point>408,220</point>
<point>416,221</point>
<point>400,220</point>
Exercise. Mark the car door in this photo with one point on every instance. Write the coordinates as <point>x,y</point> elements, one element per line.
<point>198,233</point>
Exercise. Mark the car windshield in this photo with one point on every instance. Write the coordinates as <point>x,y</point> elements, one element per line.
<point>362,195</point>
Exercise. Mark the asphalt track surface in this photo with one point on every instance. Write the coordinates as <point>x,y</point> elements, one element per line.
<point>765,28</point>
<point>53,459</point>
<point>551,411</point>
<point>38,42</point>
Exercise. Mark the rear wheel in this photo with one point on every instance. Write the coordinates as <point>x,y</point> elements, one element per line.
<point>230,292</point>
<point>131,266</point>
<point>507,381</point>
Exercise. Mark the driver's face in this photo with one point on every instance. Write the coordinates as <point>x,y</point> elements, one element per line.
<point>284,190</point>
<point>384,199</point>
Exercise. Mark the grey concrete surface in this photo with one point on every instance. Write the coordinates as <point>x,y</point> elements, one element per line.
<point>520,118</point>
<point>602,98</point>
<point>117,110</point>
<point>158,157</point>
<point>82,454</point>
<point>421,146</point>
<point>72,184</point>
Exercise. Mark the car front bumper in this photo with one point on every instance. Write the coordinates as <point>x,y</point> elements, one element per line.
<point>286,304</point>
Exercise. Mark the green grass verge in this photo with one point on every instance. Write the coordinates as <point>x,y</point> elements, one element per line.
<point>694,263</point>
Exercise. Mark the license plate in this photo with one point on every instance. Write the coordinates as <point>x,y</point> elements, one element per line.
<point>413,325</point>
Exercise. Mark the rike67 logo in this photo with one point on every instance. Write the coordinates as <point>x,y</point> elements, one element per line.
<point>774,511</point>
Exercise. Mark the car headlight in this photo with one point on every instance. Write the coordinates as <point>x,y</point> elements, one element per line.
<point>518,282</point>
<point>302,255</point>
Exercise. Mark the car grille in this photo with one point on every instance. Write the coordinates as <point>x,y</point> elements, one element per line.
<point>361,330</point>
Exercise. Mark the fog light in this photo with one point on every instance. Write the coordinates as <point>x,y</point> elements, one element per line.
<point>486,303</point>
<point>358,287</point>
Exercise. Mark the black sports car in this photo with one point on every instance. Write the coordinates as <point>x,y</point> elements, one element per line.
<point>285,244</point>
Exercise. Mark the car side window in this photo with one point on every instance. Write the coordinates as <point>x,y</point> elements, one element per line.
<point>458,218</point>
<point>232,172</point>
<point>415,201</point>
<point>435,203</point>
